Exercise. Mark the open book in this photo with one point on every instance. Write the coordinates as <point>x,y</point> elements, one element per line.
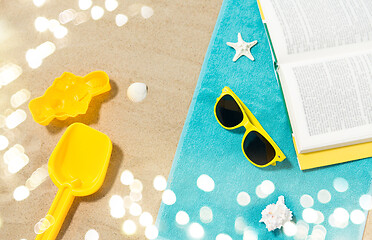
<point>323,54</point>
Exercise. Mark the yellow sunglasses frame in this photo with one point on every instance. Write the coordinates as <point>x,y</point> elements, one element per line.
<point>250,123</point>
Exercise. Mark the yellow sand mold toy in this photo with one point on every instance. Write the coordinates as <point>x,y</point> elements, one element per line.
<point>68,96</point>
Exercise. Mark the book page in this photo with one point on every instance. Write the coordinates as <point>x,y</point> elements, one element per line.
<point>317,28</point>
<point>329,101</point>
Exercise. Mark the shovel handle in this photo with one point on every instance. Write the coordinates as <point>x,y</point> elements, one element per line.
<point>59,209</point>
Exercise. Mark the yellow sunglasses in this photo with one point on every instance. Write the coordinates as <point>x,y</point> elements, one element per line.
<point>258,147</point>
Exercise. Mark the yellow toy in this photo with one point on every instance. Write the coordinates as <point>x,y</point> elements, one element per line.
<point>68,96</point>
<point>77,166</point>
<point>258,147</point>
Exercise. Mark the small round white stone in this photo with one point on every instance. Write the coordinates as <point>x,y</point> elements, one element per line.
<point>137,92</point>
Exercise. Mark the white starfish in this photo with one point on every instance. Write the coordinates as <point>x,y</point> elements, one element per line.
<point>242,48</point>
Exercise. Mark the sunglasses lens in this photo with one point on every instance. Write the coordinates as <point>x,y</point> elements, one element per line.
<point>258,149</point>
<point>228,111</point>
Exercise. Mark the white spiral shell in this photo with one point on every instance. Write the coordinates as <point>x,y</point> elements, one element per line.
<point>137,92</point>
<point>276,215</point>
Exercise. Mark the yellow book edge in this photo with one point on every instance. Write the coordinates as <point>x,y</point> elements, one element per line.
<point>333,156</point>
<point>261,12</point>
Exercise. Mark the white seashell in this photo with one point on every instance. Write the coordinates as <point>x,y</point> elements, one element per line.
<point>276,215</point>
<point>137,92</point>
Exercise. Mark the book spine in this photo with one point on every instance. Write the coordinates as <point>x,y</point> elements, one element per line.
<point>275,60</point>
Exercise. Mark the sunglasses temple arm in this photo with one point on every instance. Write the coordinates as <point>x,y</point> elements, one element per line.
<point>246,111</point>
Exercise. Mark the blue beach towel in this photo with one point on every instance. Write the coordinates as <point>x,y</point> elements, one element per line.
<point>205,148</point>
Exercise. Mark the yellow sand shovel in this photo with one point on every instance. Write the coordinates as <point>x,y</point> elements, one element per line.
<point>77,166</point>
